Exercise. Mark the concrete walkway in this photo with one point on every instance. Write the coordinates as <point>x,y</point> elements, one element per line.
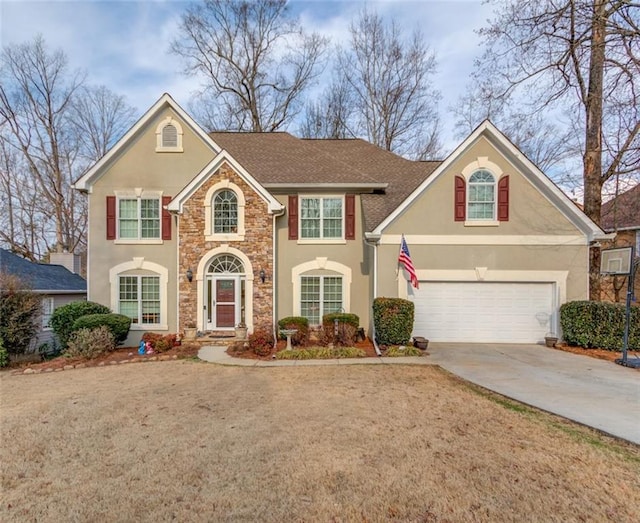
<point>593,392</point>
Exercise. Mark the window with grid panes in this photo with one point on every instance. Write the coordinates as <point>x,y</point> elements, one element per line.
<point>139,218</point>
<point>481,202</point>
<point>321,218</point>
<point>225,212</point>
<point>139,298</point>
<point>320,295</point>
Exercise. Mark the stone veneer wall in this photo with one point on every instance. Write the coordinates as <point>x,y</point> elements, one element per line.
<point>257,246</point>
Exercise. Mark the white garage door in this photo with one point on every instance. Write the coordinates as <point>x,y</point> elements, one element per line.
<point>483,312</point>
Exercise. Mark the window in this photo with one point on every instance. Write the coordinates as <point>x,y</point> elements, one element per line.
<point>139,298</point>
<point>47,311</point>
<point>321,218</point>
<point>139,218</point>
<point>481,201</point>
<point>320,295</point>
<point>225,212</point>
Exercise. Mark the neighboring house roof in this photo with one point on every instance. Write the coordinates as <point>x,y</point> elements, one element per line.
<point>282,160</point>
<point>42,277</point>
<point>85,182</point>
<point>623,211</point>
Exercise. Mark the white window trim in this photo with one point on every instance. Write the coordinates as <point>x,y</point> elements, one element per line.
<point>200,278</point>
<point>321,240</point>
<point>320,264</point>
<point>209,235</point>
<point>140,264</point>
<point>482,163</point>
<point>137,194</point>
<point>159,147</point>
<point>51,301</point>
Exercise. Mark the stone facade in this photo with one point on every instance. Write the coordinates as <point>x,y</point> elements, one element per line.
<point>257,246</point>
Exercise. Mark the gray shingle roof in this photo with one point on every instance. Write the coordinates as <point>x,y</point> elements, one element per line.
<point>42,277</point>
<point>281,158</point>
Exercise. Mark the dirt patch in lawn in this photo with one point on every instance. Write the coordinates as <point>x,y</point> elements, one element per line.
<point>188,441</point>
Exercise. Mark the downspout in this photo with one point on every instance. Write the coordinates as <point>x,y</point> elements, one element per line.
<point>374,243</point>
<point>274,275</point>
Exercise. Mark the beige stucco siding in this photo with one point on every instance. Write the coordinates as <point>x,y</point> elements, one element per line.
<point>354,254</point>
<point>530,212</point>
<point>533,258</point>
<point>139,166</point>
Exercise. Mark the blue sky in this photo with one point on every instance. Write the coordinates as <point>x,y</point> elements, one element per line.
<point>125,44</point>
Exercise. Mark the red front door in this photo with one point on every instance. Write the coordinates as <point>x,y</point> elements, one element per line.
<point>225,303</point>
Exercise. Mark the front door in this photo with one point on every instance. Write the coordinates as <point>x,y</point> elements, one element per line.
<point>221,304</point>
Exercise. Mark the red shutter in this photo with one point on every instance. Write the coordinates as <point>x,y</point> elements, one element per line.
<point>111,217</point>
<point>293,217</point>
<point>460,199</point>
<point>350,214</point>
<point>503,199</point>
<point>166,218</point>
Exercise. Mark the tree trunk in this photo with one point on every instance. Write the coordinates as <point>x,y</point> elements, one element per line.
<point>593,138</point>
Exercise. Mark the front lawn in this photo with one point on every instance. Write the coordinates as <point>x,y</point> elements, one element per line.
<point>188,441</point>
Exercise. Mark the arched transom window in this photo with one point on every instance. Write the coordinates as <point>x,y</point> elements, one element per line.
<point>225,212</point>
<point>481,202</point>
<point>226,264</point>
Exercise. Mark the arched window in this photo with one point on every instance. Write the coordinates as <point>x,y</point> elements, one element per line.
<point>226,264</point>
<point>225,212</point>
<point>481,200</point>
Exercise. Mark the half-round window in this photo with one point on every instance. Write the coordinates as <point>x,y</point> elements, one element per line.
<point>226,264</point>
<point>481,201</point>
<point>225,212</point>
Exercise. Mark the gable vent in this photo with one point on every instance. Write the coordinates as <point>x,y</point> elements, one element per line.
<point>169,136</point>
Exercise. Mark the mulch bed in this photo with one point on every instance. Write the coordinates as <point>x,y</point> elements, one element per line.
<point>238,351</point>
<point>601,354</point>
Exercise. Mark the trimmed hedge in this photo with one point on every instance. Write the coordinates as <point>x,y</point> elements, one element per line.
<point>118,324</point>
<point>393,320</point>
<point>63,318</point>
<point>599,324</point>
<point>347,328</point>
<point>300,324</point>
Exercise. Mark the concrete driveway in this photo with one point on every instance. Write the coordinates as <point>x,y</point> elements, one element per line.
<point>593,392</point>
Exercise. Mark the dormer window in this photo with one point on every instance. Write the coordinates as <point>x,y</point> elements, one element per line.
<point>169,136</point>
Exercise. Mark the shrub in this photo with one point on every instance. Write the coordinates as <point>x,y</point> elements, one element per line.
<point>347,329</point>
<point>401,350</point>
<point>90,343</point>
<point>4,356</point>
<point>19,311</point>
<point>321,353</point>
<point>261,341</point>
<point>159,342</point>
<point>300,324</point>
<point>598,324</point>
<point>393,320</point>
<point>63,318</point>
<point>118,324</point>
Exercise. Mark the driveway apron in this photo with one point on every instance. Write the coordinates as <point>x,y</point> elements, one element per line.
<point>593,392</point>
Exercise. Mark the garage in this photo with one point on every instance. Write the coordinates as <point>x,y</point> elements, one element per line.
<point>483,312</point>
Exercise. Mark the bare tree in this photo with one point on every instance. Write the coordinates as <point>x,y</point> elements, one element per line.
<point>51,128</point>
<point>389,78</point>
<point>331,116</point>
<point>255,59</point>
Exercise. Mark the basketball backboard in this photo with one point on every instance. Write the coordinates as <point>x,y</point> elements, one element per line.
<point>616,261</point>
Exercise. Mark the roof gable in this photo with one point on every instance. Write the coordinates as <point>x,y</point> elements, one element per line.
<point>536,177</point>
<point>86,181</point>
<point>223,157</point>
<point>42,277</point>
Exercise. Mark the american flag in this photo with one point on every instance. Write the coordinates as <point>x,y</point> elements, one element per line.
<point>404,259</point>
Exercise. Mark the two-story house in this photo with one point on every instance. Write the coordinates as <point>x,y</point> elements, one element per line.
<point>223,228</point>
